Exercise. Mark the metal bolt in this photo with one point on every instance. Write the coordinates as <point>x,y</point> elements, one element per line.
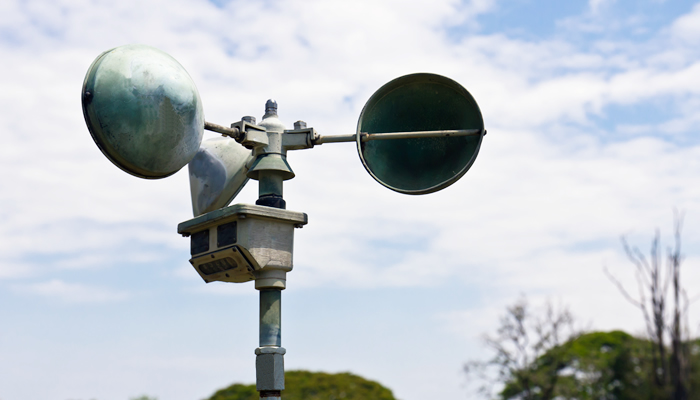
<point>300,125</point>
<point>248,119</point>
<point>271,107</point>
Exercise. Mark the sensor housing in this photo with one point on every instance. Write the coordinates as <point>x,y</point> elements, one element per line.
<point>243,242</point>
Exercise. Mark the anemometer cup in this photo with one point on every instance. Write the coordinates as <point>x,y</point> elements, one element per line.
<point>218,172</point>
<point>419,102</point>
<point>143,111</point>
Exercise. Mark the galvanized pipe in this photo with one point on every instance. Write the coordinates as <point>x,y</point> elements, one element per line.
<point>397,135</point>
<point>270,317</point>
<point>335,139</point>
<point>234,133</point>
<point>269,361</point>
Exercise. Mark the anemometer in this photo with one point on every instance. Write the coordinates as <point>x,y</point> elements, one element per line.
<point>417,134</point>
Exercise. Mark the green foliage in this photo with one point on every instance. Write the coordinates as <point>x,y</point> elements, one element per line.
<point>237,392</point>
<point>144,397</point>
<point>594,366</point>
<point>598,365</point>
<point>305,385</point>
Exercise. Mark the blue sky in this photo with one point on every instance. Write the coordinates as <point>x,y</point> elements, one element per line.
<point>591,112</point>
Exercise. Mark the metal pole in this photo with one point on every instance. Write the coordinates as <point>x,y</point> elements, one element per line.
<point>270,317</point>
<point>269,361</point>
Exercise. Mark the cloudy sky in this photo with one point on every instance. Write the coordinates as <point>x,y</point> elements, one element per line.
<point>590,108</point>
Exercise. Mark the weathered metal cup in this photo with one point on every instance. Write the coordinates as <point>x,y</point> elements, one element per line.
<point>143,110</point>
<point>419,102</point>
<point>217,174</point>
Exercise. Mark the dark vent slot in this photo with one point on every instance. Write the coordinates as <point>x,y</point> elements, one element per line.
<point>226,234</point>
<point>199,242</point>
<point>217,266</point>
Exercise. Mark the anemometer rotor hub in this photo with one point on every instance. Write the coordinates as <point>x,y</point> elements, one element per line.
<point>270,167</point>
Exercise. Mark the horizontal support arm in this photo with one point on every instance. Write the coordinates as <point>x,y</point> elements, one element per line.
<point>398,135</point>
<point>234,133</point>
<point>309,137</point>
<point>335,139</point>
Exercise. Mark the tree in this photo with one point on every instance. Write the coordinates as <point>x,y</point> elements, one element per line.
<point>603,366</point>
<point>585,366</point>
<point>305,385</point>
<point>529,353</point>
<point>670,373</point>
<point>533,363</point>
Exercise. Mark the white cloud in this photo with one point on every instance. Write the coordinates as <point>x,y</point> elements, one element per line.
<point>57,289</point>
<point>596,5</point>
<point>687,27</point>
<point>223,289</point>
<point>15,268</point>
<point>524,88</point>
<point>539,213</point>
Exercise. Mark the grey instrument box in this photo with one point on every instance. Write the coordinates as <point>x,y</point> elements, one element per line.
<point>243,242</point>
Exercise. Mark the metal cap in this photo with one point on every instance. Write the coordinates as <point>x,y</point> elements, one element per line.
<point>270,107</point>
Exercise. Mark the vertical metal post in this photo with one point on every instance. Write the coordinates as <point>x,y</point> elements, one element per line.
<point>269,361</point>
<point>270,317</point>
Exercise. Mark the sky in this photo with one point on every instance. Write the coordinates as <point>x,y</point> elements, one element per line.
<point>590,108</point>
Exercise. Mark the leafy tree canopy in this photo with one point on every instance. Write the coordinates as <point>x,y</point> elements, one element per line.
<point>305,385</point>
<point>596,365</point>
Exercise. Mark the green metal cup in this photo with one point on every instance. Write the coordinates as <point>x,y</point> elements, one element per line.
<point>419,102</point>
<point>143,110</point>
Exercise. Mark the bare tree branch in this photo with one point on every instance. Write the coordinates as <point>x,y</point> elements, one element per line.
<point>621,288</point>
<point>655,279</point>
<point>520,341</point>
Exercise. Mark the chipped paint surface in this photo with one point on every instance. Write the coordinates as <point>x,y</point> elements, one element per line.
<point>143,110</point>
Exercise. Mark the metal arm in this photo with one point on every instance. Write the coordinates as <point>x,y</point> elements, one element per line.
<point>397,135</point>
<point>314,139</point>
<point>234,133</point>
